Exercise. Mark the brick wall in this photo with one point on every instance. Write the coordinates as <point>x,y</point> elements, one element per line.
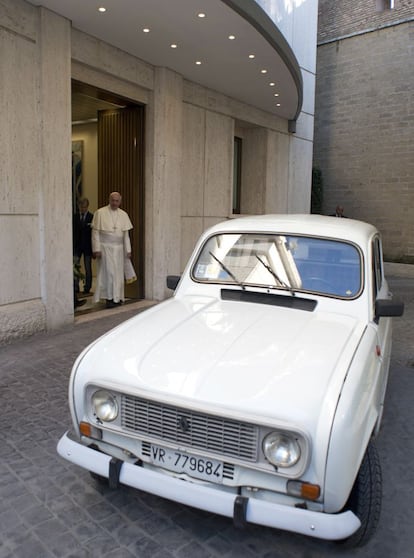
<point>338,18</point>
<point>364,124</point>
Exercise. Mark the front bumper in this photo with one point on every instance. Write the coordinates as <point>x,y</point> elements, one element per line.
<point>212,499</point>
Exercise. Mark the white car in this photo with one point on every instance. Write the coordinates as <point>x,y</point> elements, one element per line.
<point>256,391</point>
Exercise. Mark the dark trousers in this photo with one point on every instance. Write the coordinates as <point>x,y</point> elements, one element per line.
<point>87,263</point>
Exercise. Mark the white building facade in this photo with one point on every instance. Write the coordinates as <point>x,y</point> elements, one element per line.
<point>188,143</point>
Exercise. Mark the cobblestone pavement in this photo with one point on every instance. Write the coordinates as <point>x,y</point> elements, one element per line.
<point>50,508</point>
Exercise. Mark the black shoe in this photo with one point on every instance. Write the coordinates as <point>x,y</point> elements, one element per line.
<point>110,304</point>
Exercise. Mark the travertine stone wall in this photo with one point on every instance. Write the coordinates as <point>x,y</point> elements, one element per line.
<point>36,265</point>
<point>166,186</point>
<point>364,124</point>
<point>54,190</point>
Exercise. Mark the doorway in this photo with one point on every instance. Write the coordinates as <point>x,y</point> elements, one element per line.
<point>108,134</point>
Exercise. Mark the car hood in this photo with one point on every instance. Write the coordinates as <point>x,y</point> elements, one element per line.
<point>253,360</point>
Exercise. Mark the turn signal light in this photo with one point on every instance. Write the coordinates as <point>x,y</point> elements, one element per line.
<point>90,431</point>
<point>303,490</point>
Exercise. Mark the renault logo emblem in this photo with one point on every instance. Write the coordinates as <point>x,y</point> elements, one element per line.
<point>184,424</point>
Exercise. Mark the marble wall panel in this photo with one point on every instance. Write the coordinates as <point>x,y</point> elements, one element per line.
<point>300,175</point>
<point>212,100</point>
<point>167,173</point>
<point>308,95</point>
<point>19,17</point>
<point>192,194</point>
<point>20,155</point>
<point>21,320</point>
<point>55,190</point>
<point>219,165</point>
<point>97,54</point>
<point>304,35</point>
<point>254,153</point>
<point>20,266</point>
<point>276,186</point>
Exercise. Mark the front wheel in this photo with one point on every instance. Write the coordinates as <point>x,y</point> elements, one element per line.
<point>365,498</point>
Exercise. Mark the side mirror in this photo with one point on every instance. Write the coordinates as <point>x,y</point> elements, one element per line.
<point>172,281</point>
<point>388,309</point>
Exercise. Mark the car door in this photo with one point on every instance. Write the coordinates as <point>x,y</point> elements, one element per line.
<point>384,326</point>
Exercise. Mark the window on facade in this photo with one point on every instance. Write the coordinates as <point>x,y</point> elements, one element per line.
<point>384,5</point>
<point>237,166</point>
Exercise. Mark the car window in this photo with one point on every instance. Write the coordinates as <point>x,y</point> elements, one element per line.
<point>276,261</point>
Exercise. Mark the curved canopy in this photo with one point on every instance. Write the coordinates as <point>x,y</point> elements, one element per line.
<point>235,49</point>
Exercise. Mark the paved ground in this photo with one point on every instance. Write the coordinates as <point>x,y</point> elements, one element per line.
<point>50,508</point>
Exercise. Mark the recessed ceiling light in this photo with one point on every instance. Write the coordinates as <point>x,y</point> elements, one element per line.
<point>278,104</point>
<point>263,71</point>
<point>232,37</point>
<point>272,84</point>
<point>276,94</point>
<point>101,9</point>
<point>201,14</point>
<point>146,30</point>
<point>173,45</point>
<point>252,56</point>
<point>198,62</point>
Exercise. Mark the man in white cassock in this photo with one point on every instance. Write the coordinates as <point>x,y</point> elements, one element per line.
<point>111,246</point>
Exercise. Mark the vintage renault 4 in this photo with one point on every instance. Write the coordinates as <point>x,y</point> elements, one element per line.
<point>256,391</point>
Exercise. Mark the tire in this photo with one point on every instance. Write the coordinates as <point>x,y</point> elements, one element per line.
<point>365,499</point>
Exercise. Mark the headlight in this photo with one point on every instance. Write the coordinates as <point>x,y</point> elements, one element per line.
<point>281,449</point>
<point>104,405</point>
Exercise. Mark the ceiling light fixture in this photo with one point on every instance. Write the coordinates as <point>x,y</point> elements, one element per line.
<point>198,63</point>
<point>232,37</point>
<point>263,71</point>
<point>101,9</point>
<point>252,56</point>
<point>272,84</point>
<point>173,45</point>
<point>201,15</point>
<point>146,30</point>
<point>276,94</point>
<point>278,104</point>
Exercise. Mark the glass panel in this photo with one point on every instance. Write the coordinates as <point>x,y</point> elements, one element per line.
<point>281,262</point>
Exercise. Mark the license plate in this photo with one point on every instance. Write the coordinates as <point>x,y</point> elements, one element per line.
<point>199,467</point>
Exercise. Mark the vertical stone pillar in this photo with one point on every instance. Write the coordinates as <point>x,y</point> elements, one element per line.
<point>277,172</point>
<point>166,178</point>
<point>300,175</point>
<point>55,188</point>
<point>265,172</point>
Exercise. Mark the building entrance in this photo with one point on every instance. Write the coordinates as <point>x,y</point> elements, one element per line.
<point>108,145</point>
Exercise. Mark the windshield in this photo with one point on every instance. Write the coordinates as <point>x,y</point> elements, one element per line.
<point>287,262</point>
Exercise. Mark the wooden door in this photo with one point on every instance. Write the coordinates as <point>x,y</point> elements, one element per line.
<point>121,169</point>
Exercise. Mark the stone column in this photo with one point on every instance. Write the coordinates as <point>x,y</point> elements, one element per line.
<point>55,190</point>
<point>167,141</point>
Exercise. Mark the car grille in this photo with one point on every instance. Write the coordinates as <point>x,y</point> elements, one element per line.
<point>193,429</point>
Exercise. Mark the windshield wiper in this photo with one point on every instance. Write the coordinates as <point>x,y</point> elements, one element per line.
<point>227,270</point>
<point>276,276</point>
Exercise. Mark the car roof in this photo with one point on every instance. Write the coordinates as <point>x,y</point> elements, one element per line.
<point>318,225</point>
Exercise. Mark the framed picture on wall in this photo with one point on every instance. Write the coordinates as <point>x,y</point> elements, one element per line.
<point>77,160</point>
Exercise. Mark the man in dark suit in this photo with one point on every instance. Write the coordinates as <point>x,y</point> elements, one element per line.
<point>82,245</point>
